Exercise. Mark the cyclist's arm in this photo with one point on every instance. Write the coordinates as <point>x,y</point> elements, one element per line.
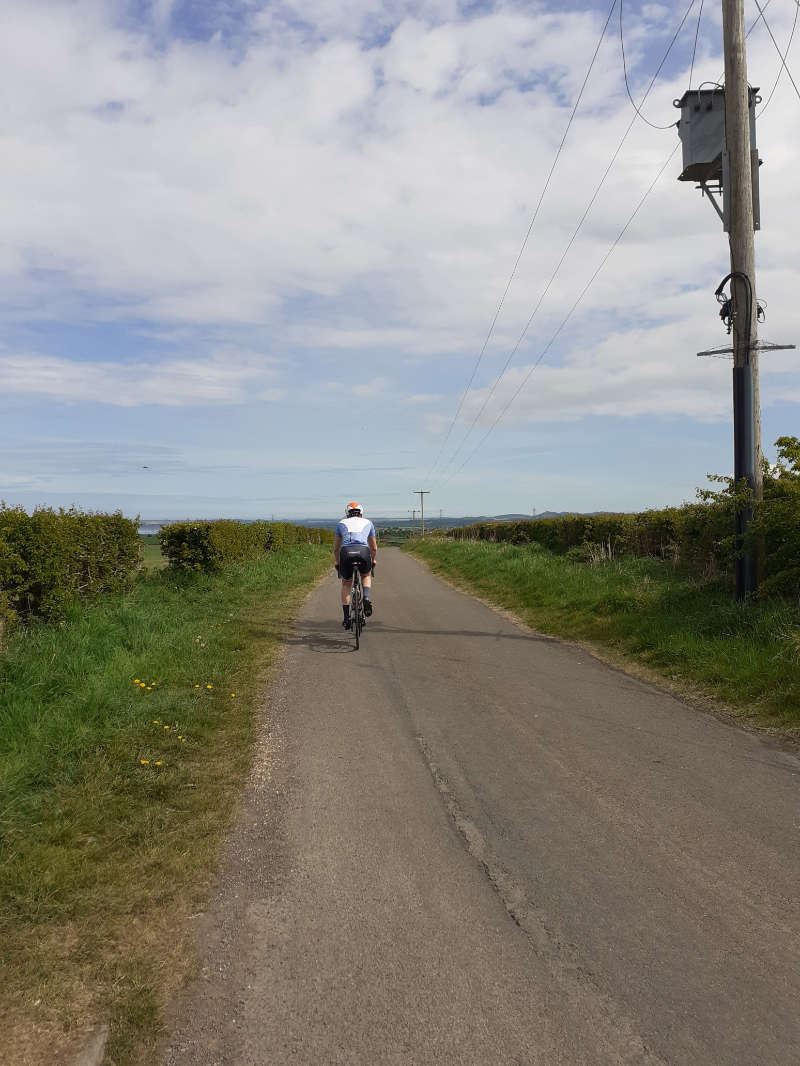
<point>337,544</point>
<point>373,548</point>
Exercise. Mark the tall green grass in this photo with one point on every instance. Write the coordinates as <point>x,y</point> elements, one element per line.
<point>114,795</point>
<point>689,630</point>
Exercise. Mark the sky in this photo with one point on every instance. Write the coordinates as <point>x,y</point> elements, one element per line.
<point>259,259</point>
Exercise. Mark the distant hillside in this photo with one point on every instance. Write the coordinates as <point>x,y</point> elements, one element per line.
<point>152,525</point>
<point>523,517</point>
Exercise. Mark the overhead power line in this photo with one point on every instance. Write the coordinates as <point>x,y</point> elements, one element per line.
<point>777,49</point>
<point>756,21</point>
<point>750,29</point>
<point>638,109</point>
<point>566,250</point>
<point>785,54</point>
<point>567,317</point>
<point>696,35</point>
<point>603,261</point>
<point>542,295</point>
<point>524,242</point>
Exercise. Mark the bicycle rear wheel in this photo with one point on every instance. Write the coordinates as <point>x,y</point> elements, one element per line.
<point>356,608</point>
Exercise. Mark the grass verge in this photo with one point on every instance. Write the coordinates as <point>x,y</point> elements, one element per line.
<point>115,795</point>
<point>642,610</point>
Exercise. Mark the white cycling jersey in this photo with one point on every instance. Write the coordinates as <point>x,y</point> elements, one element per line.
<point>355,530</point>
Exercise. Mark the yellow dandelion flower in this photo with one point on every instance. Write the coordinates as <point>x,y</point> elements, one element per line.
<point>136,680</point>
<point>148,689</point>
<point>159,763</point>
<point>142,684</point>
<point>156,721</point>
<point>209,686</point>
<point>197,686</point>
<point>166,727</point>
<point>233,695</point>
<point>145,762</point>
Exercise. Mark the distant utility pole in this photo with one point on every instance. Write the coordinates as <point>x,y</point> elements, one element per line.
<point>746,400</point>
<point>413,513</point>
<point>422,493</point>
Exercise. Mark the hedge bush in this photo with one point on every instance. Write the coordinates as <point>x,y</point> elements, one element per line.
<point>696,535</point>
<point>699,536</point>
<point>210,545</point>
<point>50,558</point>
<point>777,520</point>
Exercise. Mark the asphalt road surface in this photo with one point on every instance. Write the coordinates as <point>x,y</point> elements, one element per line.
<point>469,844</point>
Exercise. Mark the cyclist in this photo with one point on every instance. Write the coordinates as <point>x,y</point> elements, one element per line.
<point>355,545</point>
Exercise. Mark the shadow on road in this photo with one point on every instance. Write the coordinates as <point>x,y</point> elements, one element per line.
<point>326,637</point>
<point>330,638</point>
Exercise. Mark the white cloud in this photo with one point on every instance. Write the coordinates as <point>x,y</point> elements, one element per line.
<point>171,382</point>
<point>355,178</point>
<point>373,387</point>
<point>162,11</point>
<point>214,188</point>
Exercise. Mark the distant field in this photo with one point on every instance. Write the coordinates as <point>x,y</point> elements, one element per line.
<point>151,552</point>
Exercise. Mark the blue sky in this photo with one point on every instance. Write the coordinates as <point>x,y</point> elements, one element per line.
<point>251,252</point>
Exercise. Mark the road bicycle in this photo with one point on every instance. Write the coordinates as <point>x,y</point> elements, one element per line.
<point>357,616</point>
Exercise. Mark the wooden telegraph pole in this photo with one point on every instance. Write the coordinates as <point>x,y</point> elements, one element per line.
<point>422,494</point>
<point>739,195</point>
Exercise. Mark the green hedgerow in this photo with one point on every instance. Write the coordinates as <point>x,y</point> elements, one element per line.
<point>51,558</point>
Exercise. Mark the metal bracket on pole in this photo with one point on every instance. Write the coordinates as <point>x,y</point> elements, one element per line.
<point>707,192</point>
<point>759,346</point>
<point>755,163</point>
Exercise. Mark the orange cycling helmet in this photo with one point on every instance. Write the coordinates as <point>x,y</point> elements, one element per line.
<point>354,508</point>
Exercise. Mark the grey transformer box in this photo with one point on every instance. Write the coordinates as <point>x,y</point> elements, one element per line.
<point>701,129</point>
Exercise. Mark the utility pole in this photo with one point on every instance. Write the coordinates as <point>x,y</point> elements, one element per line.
<point>422,494</point>
<point>746,400</point>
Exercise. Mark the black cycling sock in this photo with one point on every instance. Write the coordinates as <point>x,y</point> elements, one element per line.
<point>346,609</point>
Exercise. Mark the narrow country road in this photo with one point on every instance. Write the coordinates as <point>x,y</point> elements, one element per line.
<point>469,844</point>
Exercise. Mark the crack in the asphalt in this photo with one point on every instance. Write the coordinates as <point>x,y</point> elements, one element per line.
<point>620,1032</point>
<point>473,838</point>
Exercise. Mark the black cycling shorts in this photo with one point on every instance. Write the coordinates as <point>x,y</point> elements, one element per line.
<point>352,556</point>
